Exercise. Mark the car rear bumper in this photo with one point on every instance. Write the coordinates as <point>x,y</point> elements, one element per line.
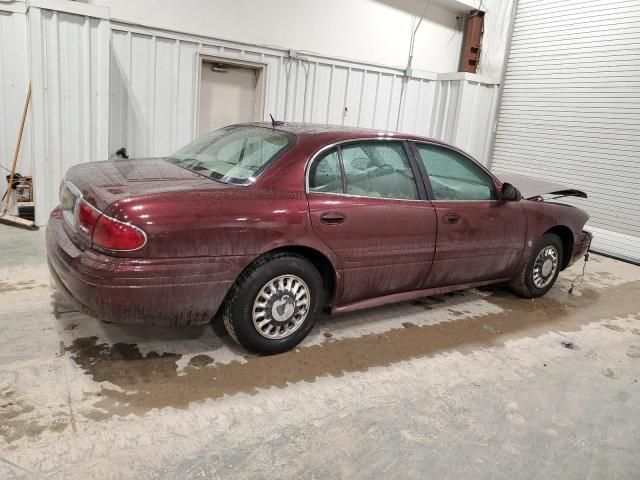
<point>581,246</point>
<point>168,291</point>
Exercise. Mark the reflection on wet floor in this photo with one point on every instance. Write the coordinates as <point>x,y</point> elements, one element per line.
<point>138,382</point>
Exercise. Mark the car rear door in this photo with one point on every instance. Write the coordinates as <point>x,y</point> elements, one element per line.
<point>480,237</point>
<point>366,205</point>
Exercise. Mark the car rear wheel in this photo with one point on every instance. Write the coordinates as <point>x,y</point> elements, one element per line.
<point>274,304</point>
<point>541,269</point>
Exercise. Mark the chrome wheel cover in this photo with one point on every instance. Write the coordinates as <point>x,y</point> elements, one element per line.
<point>545,266</point>
<point>281,307</point>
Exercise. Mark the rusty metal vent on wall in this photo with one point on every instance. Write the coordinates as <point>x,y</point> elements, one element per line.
<point>472,46</point>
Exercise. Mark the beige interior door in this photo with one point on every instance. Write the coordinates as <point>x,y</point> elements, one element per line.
<point>227,96</point>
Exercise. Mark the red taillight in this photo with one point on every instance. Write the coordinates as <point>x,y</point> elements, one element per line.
<point>106,232</point>
<point>86,218</point>
<point>113,234</point>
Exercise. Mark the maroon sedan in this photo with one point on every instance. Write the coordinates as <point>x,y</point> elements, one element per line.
<point>272,224</point>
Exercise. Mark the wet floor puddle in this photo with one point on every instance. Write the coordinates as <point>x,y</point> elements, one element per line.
<point>152,381</point>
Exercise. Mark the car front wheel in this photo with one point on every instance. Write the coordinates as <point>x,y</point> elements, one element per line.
<point>274,304</point>
<point>541,269</point>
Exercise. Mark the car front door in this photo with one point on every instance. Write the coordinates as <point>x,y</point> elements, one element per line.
<point>480,237</point>
<point>366,205</point>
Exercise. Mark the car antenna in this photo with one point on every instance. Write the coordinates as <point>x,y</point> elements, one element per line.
<point>274,122</point>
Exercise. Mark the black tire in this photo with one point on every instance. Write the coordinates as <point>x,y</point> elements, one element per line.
<point>523,283</point>
<point>238,307</point>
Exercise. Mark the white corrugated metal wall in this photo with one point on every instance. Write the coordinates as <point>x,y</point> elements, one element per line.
<point>69,68</point>
<point>570,110</point>
<point>154,90</point>
<point>99,85</point>
<point>14,81</point>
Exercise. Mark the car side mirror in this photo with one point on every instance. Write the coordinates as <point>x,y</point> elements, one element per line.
<point>509,193</point>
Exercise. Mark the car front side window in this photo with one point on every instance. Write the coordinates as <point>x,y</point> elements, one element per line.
<point>453,176</point>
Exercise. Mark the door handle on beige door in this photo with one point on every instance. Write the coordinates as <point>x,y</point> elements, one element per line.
<point>333,218</point>
<point>451,218</point>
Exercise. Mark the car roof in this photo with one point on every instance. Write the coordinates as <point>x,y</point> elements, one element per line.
<point>336,133</point>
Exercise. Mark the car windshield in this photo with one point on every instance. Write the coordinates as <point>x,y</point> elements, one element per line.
<point>235,154</point>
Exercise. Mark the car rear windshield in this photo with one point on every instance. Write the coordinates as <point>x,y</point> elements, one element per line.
<point>235,154</point>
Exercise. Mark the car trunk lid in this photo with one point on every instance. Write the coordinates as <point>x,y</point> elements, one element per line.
<point>102,183</point>
<point>89,189</point>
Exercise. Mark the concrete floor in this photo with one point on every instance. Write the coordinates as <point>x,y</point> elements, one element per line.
<point>479,384</point>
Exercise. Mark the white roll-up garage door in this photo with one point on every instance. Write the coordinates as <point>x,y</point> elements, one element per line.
<point>570,110</point>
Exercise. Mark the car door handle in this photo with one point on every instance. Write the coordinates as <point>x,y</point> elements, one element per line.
<point>451,218</point>
<point>333,218</point>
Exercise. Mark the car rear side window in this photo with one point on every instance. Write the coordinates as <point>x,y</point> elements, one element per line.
<point>454,176</point>
<point>378,169</point>
<point>325,175</point>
